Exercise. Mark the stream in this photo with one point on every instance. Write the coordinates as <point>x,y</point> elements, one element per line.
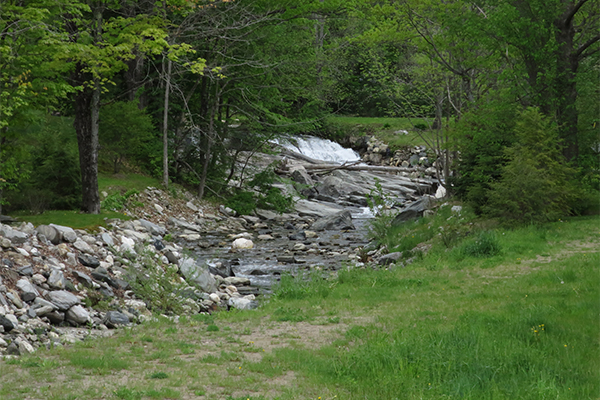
<point>285,243</point>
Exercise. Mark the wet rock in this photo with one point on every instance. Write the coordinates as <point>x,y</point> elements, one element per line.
<point>339,221</point>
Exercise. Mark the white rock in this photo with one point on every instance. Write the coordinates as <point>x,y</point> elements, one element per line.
<point>241,244</point>
<point>78,315</point>
<point>23,252</point>
<point>214,297</point>
<point>245,235</point>
<point>265,237</point>
<point>3,343</point>
<point>241,303</point>
<point>191,206</point>
<point>83,246</point>
<point>25,347</point>
<point>158,208</point>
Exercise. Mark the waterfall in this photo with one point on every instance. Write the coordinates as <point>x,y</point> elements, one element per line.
<point>319,149</point>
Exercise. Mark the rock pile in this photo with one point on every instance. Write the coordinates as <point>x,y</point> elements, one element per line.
<point>54,280</point>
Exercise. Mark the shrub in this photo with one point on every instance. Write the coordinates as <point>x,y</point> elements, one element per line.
<point>535,184</point>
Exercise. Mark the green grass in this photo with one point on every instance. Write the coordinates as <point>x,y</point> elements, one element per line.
<point>125,182</point>
<point>521,323</point>
<point>73,219</point>
<point>383,128</point>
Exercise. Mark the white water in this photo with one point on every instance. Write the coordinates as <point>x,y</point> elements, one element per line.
<point>320,149</point>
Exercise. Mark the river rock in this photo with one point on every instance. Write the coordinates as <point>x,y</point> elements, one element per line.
<point>77,315</point>
<point>413,211</point>
<point>242,244</point>
<point>390,258</point>
<point>15,236</point>
<point>153,228</point>
<point>28,291</point>
<point>67,234</point>
<point>83,246</point>
<point>237,281</point>
<point>197,275</point>
<point>56,280</point>
<point>307,208</point>
<point>114,319</point>
<point>62,299</point>
<point>88,260</point>
<point>242,303</point>
<point>339,221</point>
<point>6,323</point>
<point>298,174</point>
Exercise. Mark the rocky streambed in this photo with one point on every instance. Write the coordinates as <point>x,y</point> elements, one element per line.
<point>59,285</point>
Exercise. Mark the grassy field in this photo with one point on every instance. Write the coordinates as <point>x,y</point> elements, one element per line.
<point>386,129</point>
<point>519,321</point>
<point>112,185</point>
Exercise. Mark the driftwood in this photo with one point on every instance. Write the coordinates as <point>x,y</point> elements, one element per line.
<point>356,167</point>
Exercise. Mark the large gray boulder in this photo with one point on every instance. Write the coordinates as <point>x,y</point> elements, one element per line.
<point>414,210</point>
<point>50,233</point>
<point>113,319</point>
<point>307,208</point>
<point>77,315</point>
<point>67,234</point>
<point>337,222</point>
<point>13,235</point>
<point>153,228</point>
<point>198,275</point>
<point>28,291</point>
<point>62,299</point>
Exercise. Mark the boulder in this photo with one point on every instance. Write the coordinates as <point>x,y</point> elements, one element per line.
<point>307,208</point>
<point>83,246</point>
<point>198,275</point>
<point>77,315</point>
<point>241,303</point>
<point>114,319</point>
<point>13,235</point>
<point>390,258</point>
<point>298,174</point>
<point>153,228</point>
<point>62,299</point>
<point>28,291</point>
<point>242,244</point>
<point>6,323</point>
<point>67,234</point>
<point>50,233</point>
<point>339,221</point>
<point>57,280</point>
<point>414,210</point>
<point>88,260</point>
<point>83,278</point>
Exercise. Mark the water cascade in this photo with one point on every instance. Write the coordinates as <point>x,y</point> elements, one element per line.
<point>319,149</point>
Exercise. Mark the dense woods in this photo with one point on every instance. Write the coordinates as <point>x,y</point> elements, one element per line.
<point>177,88</point>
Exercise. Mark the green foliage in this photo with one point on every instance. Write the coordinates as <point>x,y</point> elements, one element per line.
<point>296,288</point>
<point>484,245</point>
<point>117,201</point>
<point>125,133</point>
<point>482,136</point>
<point>535,185</point>
<point>267,196</point>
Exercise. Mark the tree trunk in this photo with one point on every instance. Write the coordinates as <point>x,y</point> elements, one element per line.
<point>166,125</point>
<point>567,63</point>
<point>211,137</point>
<point>87,107</point>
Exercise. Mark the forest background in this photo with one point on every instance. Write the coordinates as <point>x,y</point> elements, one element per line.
<point>509,92</point>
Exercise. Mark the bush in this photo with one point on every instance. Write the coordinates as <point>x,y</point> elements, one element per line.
<point>535,184</point>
